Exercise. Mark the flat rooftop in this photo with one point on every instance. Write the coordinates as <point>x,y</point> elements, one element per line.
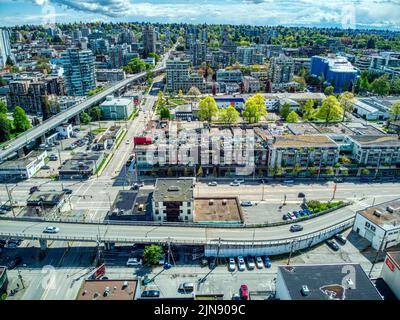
<point>325,282</point>
<point>312,141</point>
<point>395,257</point>
<point>173,190</point>
<point>22,162</point>
<point>45,197</point>
<point>118,290</point>
<point>386,218</point>
<point>222,209</point>
<point>132,204</point>
<point>380,141</point>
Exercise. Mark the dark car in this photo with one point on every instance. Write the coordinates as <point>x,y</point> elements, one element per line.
<point>212,262</point>
<point>301,195</point>
<point>284,217</point>
<point>296,228</point>
<point>340,238</point>
<point>33,189</point>
<point>14,263</point>
<point>332,244</point>
<point>150,294</point>
<point>67,191</point>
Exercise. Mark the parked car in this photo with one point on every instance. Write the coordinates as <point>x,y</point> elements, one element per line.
<point>267,262</point>
<point>244,292</point>
<point>232,264</point>
<point>53,157</point>
<point>291,215</point>
<point>239,180</point>
<point>296,228</point>
<point>45,167</point>
<point>241,264</point>
<point>51,229</point>
<point>259,262</point>
<point>128,141</point>
<point>246,204</point>
<point>186,287</point>
<point>150,294</point>
<point>340,238</point>
<point>33,189</point>
<point>234,184</point>
<point>301,195</point>
<point>134,262</point>
<point>250,263</point>
<point>213,183</point>
<point>236,297</point>
<point>285,217</point>
<point>67,191</point>
<point>333,245</point>
<point>288,181</point>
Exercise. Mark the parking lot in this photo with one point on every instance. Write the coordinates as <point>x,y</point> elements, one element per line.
<point>263,212</point>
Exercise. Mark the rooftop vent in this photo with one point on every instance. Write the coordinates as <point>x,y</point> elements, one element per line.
<point>211,202</point>
<point>173,188</point>
<point>378,213</point>
<point>224,202</point>
<point>393,209</point>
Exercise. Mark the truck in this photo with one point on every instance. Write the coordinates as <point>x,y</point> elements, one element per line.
<point>142,140</point>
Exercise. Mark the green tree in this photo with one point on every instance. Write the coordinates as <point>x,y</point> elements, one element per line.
<point>155,56</point>
<point>228,115</point>
<point>21,121</point>
<point>346,100</point>
<point>296,169</point>
<point>329,90</point>
<point>85,118</point>
<point>330,110</point>
<point>365,171</point>
<point>395,111</point>
<point>381,86</point>
<point>3,107</point>
<point>169,172</point>
<point>95,113</point>
<point>292,117</point>
<point>136,65</point>
<point>308,109</point>
<point>207,109</point>
<point>200,172</point>
<point>284,110</point>
<point>329,171</point>
<point>254,108</point>
<point>5,128</point>
<point>165,113</point>
<point>344,160</point>
<point>153,254</point>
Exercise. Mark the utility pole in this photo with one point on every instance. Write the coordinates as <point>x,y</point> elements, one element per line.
<point>21,279</point>
<point>10,199</point>
<point>263,190</point>
<point>334,191</point>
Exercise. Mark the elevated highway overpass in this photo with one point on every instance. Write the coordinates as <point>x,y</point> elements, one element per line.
<point>55,121</point>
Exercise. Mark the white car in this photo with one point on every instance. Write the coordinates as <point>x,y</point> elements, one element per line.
<point>241,264</point>
<point>134,262</point>
<point>259,262</point>
<point>128,141</point>
<point>51,229</point>
<point>213,183</point>
<point>232,264</point>
<point>239,180</point>
<point>234,184</point>
<point>250,263</point>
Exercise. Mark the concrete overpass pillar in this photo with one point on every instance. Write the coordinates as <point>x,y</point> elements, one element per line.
<point>43,139</point>
<point>21,153</point>
<point>43,244</point>
<point>77,119</point>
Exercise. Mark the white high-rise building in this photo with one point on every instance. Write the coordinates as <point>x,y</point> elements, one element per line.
<point>5,47</point>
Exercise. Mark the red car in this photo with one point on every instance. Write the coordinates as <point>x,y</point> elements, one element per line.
<point>244,292</point>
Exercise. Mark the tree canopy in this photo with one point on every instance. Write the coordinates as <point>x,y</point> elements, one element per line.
<point>330,110</point>
<point>207,109</point>
<point>229,115</point>
<point>395,111</point>
<point>254,108</point>
<point>21,121</point>
<point>153,254</point>
<point>292,117</point>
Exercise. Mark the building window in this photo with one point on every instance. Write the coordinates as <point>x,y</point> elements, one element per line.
<point>367,224</point>
<point>188,204</point>
<point>157,211</point>
<point>373,228</point>
<point>188,212</point>
<point>159,218</point>
<point>186,218</point>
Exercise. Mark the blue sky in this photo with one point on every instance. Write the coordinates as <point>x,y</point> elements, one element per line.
<point>339,13</point>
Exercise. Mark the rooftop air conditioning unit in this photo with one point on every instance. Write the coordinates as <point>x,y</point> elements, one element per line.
<point>211,202</point>
<point>305,291</point>
<point>224,202</point>
<point>392,209</point>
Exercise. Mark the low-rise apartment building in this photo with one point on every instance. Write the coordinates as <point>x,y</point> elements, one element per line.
<point>173,200</point>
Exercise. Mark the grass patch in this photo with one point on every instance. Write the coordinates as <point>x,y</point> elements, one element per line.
<point>317,206</point>
<point>98,131</point>
<point>134,114</point>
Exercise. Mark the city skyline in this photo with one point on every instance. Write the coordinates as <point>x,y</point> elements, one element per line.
<point>360,14</point>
